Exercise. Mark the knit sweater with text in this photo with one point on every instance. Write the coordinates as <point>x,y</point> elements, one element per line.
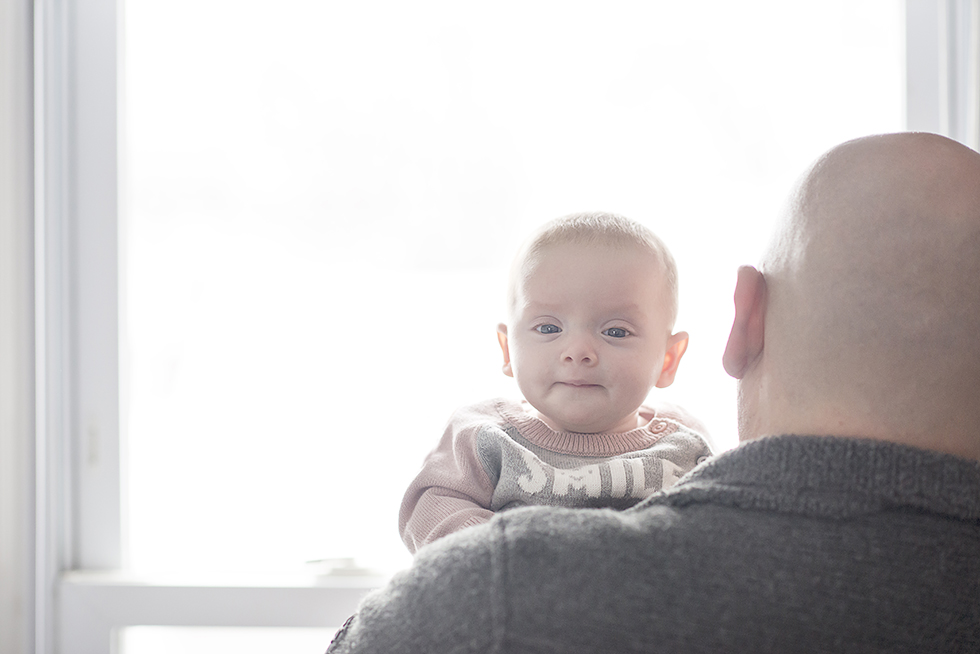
<point>496,456</point>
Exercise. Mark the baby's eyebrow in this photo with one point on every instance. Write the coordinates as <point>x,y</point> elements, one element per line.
<point>632,310</point>
<point>541,307</point>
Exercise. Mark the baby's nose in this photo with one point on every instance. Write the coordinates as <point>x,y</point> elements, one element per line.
<point>580,349</point>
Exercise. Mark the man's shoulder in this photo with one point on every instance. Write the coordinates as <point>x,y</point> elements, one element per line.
<point>833,477</point>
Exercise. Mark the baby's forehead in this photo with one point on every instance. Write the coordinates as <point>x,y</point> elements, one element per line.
<point>594,247</point>
<point>613,259</point>
<point>597,275</point>
<point>611,248</point>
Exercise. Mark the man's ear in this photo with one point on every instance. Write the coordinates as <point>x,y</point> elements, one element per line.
<point>502,339</point>
<point>746,341</point>
<point>676,347</point>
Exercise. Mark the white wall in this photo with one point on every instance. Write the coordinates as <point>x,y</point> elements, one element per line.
<point>16,329</point>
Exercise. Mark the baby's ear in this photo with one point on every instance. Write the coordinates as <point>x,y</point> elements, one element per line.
<point>676,347</point>
<point>502,339</point>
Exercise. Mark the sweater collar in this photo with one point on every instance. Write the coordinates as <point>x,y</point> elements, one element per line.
<point>535,431</point>
<point>834,476</point>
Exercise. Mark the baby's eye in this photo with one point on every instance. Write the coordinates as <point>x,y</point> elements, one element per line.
<point>547,329</point>
<point>616,332</point>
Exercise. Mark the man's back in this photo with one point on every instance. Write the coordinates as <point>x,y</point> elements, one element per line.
<point>787,544</point>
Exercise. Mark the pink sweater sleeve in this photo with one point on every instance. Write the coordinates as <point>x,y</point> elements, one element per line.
<point>452,491</point>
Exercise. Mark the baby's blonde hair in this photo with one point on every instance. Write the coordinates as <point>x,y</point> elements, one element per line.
<point>599,228</point>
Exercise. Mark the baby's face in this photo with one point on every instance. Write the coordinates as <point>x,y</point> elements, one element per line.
<point>588,336</point>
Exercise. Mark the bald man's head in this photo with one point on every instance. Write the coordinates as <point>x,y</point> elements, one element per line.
<point>870,300</point>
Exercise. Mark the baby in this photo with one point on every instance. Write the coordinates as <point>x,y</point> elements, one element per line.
<point>592,303</point>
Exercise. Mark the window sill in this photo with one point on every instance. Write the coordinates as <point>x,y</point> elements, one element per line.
<point>94,605</point>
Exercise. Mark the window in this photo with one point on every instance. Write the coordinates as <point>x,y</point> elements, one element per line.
<point>336,192</point>
<point>317,230</point>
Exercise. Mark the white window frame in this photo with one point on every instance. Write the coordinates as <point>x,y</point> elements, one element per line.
<point>942,62</point>
<point>82,598</point>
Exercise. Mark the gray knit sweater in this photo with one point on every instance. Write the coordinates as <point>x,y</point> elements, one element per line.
<point>786,544</point>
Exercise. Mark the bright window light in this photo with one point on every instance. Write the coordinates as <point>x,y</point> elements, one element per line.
<point>207,640</point>
<point>321,200</point>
